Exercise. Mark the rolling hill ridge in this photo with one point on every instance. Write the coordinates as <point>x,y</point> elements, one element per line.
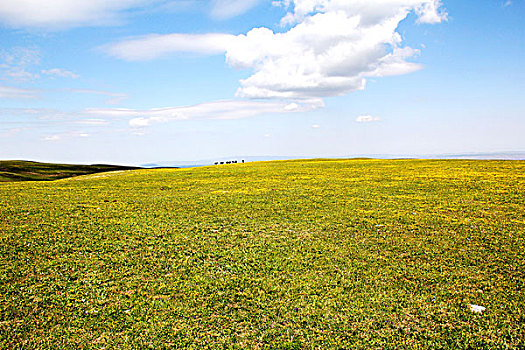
<point>21,170</point>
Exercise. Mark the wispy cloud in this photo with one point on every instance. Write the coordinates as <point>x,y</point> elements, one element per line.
<point>230,109</point>
<point>40,118</point>
<point>17,93</point>
<point>367,119</point>
<point>331,49</point>
<point>224,9</point>
<point>16,63</point>
<point>115,97</point>
<point>51,138</point>
<point>92,122</point>
<point>36,112</point>
<point>155,45</point>
<point>65,135</point>
<point>11,132</point>
<point>59,14</point>
<point>19,74</point>
<point>20,56</point>
<point>135,121</point>
<point>65,14</point>
<point>58,72</point>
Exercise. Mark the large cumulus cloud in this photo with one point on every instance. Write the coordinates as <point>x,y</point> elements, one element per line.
<point>326,48</point>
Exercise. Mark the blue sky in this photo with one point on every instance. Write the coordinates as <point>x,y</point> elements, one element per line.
<point>139,81</point>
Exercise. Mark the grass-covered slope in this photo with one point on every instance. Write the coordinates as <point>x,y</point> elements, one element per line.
<point>20,170</point>
<point>287,255</point>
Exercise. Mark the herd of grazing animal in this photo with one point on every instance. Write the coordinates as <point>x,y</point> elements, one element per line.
<point>228,162</point>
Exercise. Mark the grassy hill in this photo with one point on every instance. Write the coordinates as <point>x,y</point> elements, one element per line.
<point>331,254</point>
<point>19,170</point>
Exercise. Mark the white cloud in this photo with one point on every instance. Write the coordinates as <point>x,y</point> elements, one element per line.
<point>58,72</point>
<point>316,126</point>
<point>232,109</point>
<point>115,97</point>
<point>20,74</point>
<point>429,12</point>
<point>16,62</point>
<point>507,3</point>
<point>152,46</point>
<point>137,132</point>
<point>65,135</point>
<point>92,122</point>
<point>58,14</point>
<point>11,132</point>
<point>291,107</point>
<point>99,118</point>
<point>69,122</point>
<point>370,11</point>
<point>367,119</point>
<point>35,112</point>
<point>51,138</point>
<point>224,9</point>
<point>20,56</point>
<point>63,14</point>
<point>16,93</point>
<point>331,50</point>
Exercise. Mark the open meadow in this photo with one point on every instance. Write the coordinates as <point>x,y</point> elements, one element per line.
<point>317,254</point>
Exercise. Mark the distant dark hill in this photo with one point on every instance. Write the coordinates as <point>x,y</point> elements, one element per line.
<point>19,170</point>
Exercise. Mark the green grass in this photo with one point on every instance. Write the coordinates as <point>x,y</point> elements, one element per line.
<point>19,170</point>
<point>331,254</point>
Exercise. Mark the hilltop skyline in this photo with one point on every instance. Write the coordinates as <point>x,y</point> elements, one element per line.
<point>139,81</point>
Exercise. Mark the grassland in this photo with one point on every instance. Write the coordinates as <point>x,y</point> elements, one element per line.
<point>19,170</point>
<point>324,254</point>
